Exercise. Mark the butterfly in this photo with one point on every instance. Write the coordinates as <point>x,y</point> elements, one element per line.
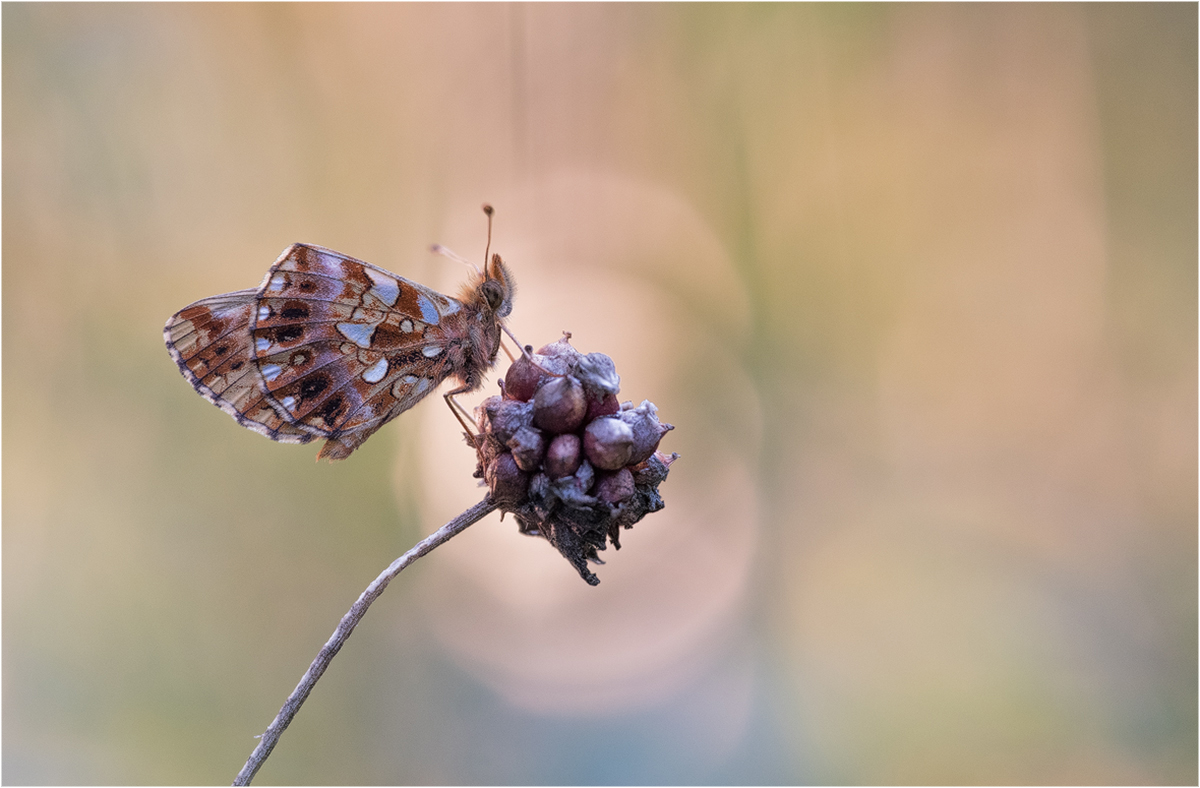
<point>332,347</point>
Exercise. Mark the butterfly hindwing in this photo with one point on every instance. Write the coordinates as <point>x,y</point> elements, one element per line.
<point>210,342</point>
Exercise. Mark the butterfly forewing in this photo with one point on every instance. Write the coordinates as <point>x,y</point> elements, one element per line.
<point>343,346</point>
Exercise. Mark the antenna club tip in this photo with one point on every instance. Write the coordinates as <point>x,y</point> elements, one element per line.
<point>489,210</point>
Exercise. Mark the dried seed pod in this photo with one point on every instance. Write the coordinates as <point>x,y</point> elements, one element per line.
<point>528,447</point>
<point>615,487</point>
<point>563,455</point>
<point>524,375</point>
<point>597,373</point>
<point>507,482</point>
<point>559,405</point>
<point>647,430</point>
<point>507,417</point>
<point>522,379</point>
<point>600,404</point>
<point>562,349</point>
<point>608,443</point>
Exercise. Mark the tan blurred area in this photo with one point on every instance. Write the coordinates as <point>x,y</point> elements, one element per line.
<point>916,284</point>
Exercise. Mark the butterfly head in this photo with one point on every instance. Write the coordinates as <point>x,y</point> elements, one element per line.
<point>493,290</point>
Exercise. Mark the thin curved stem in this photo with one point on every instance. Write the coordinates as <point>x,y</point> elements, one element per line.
<point>268,740</point>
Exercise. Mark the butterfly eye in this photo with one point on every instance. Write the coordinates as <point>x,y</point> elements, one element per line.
<point>492,293</point>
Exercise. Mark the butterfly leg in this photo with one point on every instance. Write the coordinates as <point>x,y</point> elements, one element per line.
<point>460,412</point>
<point>507,352</point>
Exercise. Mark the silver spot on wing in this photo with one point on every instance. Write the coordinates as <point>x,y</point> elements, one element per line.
<point>357,333</point>
<point>429,312</point>
<point>386,288</point>
<point>375,372</point>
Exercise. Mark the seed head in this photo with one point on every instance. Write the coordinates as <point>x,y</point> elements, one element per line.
<point>561,453</point>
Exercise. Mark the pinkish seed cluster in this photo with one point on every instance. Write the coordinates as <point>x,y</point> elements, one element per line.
<point>570,461</point>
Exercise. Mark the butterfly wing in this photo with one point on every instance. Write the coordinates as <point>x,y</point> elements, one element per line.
<point>342,346</point>
<point>210,342</point>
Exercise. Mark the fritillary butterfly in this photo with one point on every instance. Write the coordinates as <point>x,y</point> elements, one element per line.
<point>332,347</point>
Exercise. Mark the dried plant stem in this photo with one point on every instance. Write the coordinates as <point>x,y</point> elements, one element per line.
<point>268,740</point>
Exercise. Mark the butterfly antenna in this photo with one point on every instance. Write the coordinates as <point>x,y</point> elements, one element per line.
<point>444,252</point>
<point>489,210</point>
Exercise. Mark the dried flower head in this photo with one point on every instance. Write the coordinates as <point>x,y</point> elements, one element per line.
<point>559,451</point>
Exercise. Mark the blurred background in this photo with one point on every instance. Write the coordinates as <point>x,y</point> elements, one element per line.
<point>917,285</point>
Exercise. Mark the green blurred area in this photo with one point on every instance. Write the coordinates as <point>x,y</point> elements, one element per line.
<point>964,244</point>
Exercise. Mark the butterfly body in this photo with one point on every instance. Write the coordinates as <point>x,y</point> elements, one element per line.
<point>332,347</point>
